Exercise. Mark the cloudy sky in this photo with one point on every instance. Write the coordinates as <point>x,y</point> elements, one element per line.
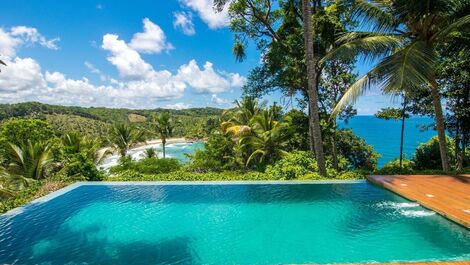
<point>133,54</point>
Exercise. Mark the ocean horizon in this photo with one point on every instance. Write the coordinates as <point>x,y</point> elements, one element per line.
<point>384,135</point>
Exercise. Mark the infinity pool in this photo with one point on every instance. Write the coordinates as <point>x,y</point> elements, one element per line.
<point>166,223</point>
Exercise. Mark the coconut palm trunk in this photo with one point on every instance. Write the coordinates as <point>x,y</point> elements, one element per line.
<point>439,118</point>
<point>164,147</point>
<point>314,118</point>
<point>402,134</point>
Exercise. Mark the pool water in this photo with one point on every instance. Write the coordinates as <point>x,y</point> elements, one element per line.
<point>125,223</point>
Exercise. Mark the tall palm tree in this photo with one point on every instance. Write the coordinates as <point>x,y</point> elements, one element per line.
<point>405,36</point>
<point>163,125</point>
<point>314,121</point>
<point>28,161</point>
<point>124,137</point>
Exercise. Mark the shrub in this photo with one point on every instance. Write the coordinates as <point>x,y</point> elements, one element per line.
<point>216,156</point>
<point>293,166</point>
<point>190,176</point>
<point>393,167</point>
<point>359,154</point>
<point>150,165</point>
<point>79,166</point>
<point>428,156</point>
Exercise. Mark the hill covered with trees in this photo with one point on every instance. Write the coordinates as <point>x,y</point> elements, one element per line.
<point>96,121</point>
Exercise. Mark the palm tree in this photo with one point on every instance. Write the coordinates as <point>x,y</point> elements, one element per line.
<point>28,161</point>
<point>268,140</point>
<point>150,153</point>
<point>406,36</point>
<point>163,125</point>
<point>124,137</point>
<point>236,121</point>
<point>314,122</point>
<point>75,143</point>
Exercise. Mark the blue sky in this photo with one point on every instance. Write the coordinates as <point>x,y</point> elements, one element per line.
<point>135,54</point>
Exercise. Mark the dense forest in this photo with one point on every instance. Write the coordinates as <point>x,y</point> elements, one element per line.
<point>97,121</point>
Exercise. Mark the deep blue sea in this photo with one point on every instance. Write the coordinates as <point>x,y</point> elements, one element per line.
<point>384,135</point>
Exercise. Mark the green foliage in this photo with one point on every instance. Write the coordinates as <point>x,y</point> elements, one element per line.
<point>66,123</point>
<point>359,154</point>
<point>293,166</point>
<point>302,165</point>
<point>216,176</point>
<point>147,165</point>
<point>124,136</point>
<point>96,122</point>
<point>150,153</point>
<point>427,155</point>
<point>79,166</point>
<point>217,155</point>
<point>393,167</point>
<point>391,114</point>
<point>29,160</point>
<point>297,123</point>
<point>20,198</point>
<point>20,131</point>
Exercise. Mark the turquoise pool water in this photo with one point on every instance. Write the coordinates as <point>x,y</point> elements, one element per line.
<point>228,224</point>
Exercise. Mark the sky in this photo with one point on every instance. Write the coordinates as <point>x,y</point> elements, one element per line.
<point>130,54</point>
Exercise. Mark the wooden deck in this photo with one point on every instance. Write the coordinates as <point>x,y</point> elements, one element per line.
<point>446,195</point>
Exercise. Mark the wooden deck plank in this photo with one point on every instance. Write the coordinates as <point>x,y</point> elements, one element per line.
<point>446,195</point>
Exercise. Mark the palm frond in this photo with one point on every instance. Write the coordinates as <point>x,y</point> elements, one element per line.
<point>406,69</point>
<point>443,34</point>
<point>375,13</point>
<point>370,45</point>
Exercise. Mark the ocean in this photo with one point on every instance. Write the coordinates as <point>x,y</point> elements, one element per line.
<point>384,135</point>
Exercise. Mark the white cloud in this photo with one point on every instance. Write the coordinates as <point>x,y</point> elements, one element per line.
<point>184,22</point>
<point>96,71</point>
<point>207,80</point>
<point>19,35</point>
<point>205,10</point>
<point>140,86</point>
<point>8,44</point>
<point>32,35</point>
<point>152,40</point>
<point>127,60</point>
<point>20,78</point>
<point>236,80</point>
<point>219,101</point>
<point>178,106</point>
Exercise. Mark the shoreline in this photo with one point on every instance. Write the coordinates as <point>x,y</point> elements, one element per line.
<point>175,140</point>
